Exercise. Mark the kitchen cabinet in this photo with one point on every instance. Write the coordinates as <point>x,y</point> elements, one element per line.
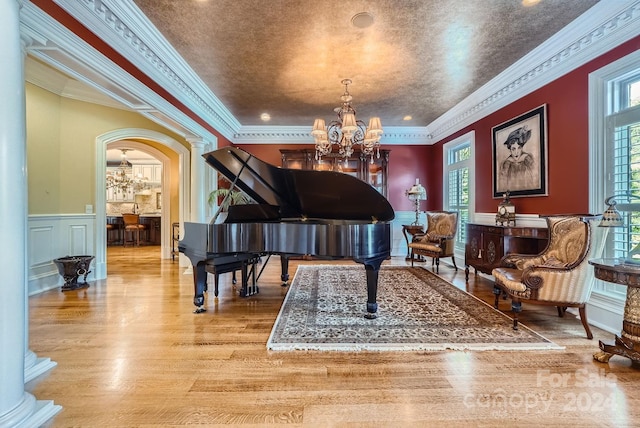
<point>147,172</point>
<point>358,165</point>
<point>153,229</point>
<point>487,244</point>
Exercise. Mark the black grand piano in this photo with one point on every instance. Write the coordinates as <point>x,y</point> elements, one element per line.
<point>298,212</point>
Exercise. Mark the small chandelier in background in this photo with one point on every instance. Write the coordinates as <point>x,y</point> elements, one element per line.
<point>122,179</point>
<point>347,132</point>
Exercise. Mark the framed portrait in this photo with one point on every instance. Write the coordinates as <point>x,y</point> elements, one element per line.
<point>520,155</point>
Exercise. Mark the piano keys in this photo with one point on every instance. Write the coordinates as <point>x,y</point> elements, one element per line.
<point>297,212</point>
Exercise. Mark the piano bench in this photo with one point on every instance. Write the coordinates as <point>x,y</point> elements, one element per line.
<point>233,267</point>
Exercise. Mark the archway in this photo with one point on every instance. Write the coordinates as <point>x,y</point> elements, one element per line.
<point>113,139</point>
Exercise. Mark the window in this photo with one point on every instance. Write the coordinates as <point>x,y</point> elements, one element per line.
<point>615,154</point>
<point>624,157</point>
<point>458,183</point>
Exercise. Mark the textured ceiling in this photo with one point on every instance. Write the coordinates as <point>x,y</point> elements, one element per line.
<point>287,57</point>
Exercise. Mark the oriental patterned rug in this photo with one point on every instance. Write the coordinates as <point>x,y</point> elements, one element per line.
<point>417,310</point>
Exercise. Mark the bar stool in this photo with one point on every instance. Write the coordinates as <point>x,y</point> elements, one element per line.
<point>110,230</point>
<point>132,225</point>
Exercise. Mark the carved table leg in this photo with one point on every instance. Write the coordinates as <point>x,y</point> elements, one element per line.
<point>628,343</point>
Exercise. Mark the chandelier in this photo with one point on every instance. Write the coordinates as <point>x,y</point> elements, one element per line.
<point>347,132</point>
<point>122,179</point>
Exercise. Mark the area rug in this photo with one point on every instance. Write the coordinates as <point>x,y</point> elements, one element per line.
<point>417,310</point>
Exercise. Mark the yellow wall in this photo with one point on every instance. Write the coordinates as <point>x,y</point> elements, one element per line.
<point>61,152</point>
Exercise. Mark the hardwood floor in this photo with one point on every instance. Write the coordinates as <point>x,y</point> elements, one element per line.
<point>131,353</point>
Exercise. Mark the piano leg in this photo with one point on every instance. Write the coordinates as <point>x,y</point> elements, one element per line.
<point>199,286</point>
<point>372,268</point>
<point>249,274</point>
<point>284,266</point>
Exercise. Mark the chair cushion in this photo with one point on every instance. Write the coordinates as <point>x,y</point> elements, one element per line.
<point>509,278</point>
<point>134,227</point>
<point>426,246</point>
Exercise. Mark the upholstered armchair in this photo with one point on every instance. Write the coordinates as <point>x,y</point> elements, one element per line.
<point>439,238</point>
<point>559,276</point>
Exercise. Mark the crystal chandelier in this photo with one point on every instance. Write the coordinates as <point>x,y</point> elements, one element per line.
<point>122,179</point>
<point>347,132</point>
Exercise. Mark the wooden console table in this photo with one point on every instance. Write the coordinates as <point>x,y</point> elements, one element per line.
<point>628,343</point>
<point>487,244</point>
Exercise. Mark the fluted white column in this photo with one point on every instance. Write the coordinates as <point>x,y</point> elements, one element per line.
<point>17,407</point>
<point>198,181</point>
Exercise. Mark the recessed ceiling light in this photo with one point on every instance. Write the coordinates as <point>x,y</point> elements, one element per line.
<point>407,117</point>
<point>362,20</point>
<point>266,117</point>
<point>528,3</point>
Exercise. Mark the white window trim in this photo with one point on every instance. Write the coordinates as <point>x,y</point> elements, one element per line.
<point>608,309</point>
<point>451,145</point>
<point>469,137</point>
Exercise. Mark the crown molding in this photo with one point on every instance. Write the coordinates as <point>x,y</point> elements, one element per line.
<point>606,25</point>
<point>47,40</point>
<point>393,135</point>
<point>122,25</point>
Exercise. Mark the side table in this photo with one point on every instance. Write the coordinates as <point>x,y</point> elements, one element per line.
<point>628,343</point>
<point>412,229</point>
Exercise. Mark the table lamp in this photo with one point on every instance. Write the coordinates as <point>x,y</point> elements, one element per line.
<point>611,217</point>
<point>416,194</point>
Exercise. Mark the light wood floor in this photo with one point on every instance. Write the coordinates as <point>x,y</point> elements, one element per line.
<point>131,353</point>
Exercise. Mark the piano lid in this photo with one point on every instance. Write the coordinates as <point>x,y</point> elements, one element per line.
<point>301,193</point>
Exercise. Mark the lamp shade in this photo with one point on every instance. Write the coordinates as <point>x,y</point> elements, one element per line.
<point>611,217</point>
<point>319,128</point>
<point>375,126</point>
<point>349,122</point>
<point>417,192</point>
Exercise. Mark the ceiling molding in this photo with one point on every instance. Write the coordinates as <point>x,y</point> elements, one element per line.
<point>603,27</point>
<point>393,135</point>
<point>123,26</point>
<point>53,44</point>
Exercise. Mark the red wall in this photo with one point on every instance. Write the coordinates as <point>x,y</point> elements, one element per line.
<point>567,139</point>
<point>406,163</point>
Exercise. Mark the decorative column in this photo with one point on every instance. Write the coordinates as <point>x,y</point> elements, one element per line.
<point>17,407</point>
<point>198,181</point>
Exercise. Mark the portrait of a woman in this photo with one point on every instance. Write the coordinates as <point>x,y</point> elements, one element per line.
<point>518,170</point>
<point>520,155</point>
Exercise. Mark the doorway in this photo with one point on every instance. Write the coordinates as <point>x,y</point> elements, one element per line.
<point>174,186</point>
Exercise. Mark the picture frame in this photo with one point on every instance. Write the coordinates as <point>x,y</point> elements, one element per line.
<point>520,161</point>
<point>159,200</point>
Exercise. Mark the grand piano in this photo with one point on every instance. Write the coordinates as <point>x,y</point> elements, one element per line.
<point>297,212</point>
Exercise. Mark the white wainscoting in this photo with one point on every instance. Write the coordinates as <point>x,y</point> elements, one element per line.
<point>53,236</point>
<point>398,243</point>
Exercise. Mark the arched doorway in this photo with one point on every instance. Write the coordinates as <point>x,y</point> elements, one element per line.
<point>134,138</point>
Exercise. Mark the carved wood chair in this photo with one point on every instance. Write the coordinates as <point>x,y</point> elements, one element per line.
<point>438,240</point>
<point>559,276</point>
